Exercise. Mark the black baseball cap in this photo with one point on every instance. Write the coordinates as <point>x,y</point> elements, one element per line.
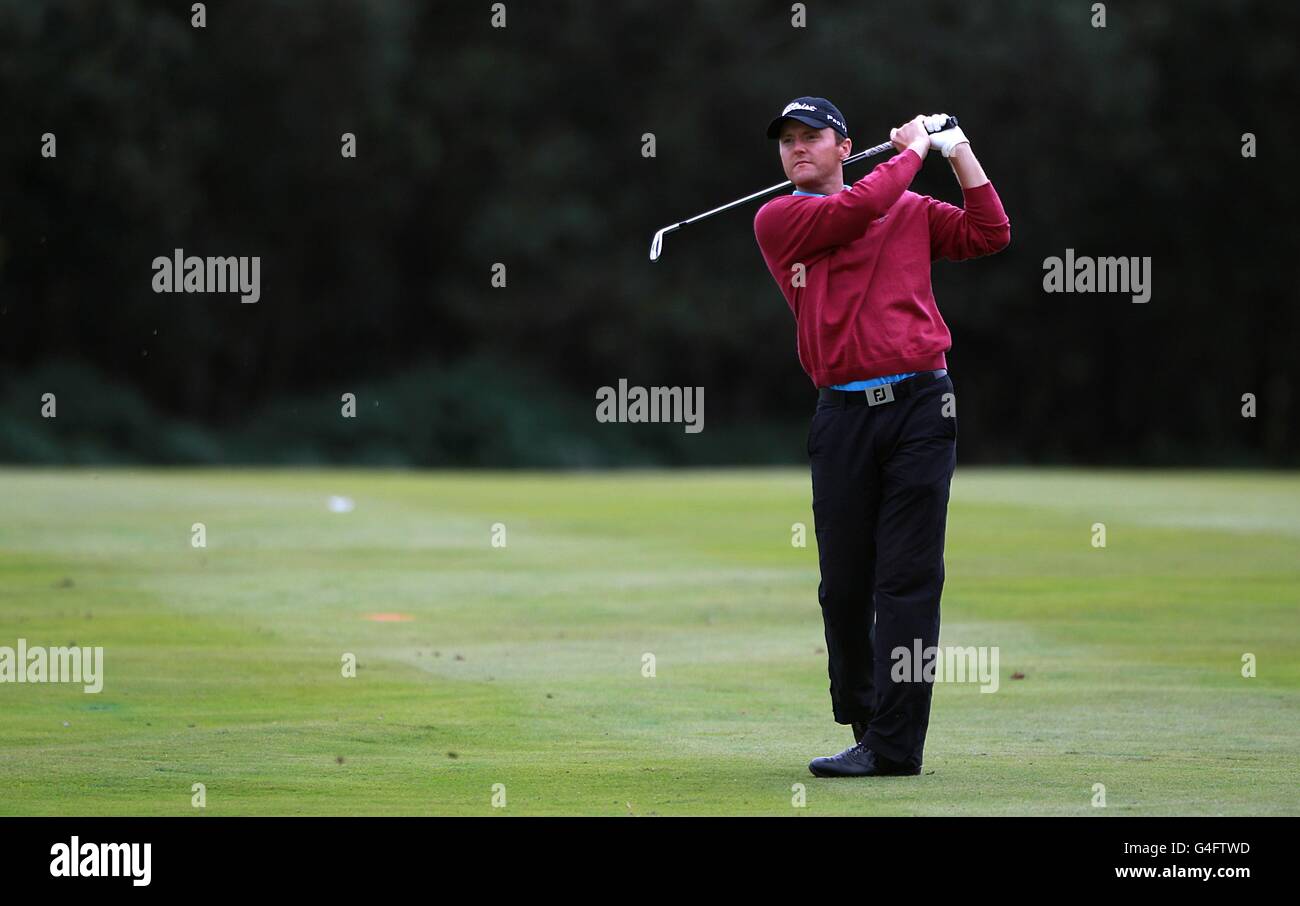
<point>816,112</point>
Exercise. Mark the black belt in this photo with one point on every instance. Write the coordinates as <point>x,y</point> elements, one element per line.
<point>881,393</point>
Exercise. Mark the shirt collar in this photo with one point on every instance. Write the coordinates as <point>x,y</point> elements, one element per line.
<point>814,194</point>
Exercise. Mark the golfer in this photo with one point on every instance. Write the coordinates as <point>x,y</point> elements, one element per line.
<point>853,263</point>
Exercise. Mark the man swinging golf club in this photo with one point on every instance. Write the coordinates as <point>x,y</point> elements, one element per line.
<point>853,263</point>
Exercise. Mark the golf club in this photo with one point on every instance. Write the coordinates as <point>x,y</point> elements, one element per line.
<point>657,244</point>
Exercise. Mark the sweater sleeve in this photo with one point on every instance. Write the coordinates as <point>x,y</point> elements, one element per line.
<point>982,228</point>
<point>795,228</point>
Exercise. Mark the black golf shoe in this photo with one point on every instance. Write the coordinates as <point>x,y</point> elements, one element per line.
<point>859,761</point>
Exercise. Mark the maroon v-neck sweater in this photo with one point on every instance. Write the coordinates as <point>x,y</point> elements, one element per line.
<point>862,302</point>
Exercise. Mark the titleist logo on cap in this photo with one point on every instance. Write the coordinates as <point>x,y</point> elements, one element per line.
<point>797,106</point>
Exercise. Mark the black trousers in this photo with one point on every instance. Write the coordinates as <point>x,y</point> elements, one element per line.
<point>880,482</point>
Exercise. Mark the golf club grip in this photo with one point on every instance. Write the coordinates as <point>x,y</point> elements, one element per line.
<point>950,123</point>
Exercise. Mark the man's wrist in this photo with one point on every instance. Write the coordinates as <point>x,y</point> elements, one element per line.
<point>921,148</point>
<point>961,150</point>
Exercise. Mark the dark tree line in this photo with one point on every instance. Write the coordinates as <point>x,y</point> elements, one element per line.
<point>478,145</point>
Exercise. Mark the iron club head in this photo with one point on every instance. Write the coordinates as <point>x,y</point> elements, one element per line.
<point>657,244</point>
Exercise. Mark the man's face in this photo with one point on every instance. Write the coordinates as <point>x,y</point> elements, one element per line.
<point>812,157</point>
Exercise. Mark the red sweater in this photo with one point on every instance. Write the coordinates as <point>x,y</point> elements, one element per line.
<point>866,308</point>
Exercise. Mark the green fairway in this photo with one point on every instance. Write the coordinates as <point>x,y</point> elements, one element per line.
<point>522,665</point>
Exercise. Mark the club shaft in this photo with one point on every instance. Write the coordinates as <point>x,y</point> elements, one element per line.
<point>657,244</point>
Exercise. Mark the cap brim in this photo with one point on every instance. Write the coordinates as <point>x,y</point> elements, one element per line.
<point>774,128</point>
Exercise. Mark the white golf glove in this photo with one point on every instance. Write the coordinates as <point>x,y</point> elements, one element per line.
<point>945,141</point>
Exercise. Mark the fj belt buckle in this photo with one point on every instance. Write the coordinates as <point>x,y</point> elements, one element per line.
<point>880,394</point>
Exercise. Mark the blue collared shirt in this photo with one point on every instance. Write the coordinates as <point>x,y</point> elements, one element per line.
<point>874,382</point>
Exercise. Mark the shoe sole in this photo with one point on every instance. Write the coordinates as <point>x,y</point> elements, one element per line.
<point>832,775</point>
